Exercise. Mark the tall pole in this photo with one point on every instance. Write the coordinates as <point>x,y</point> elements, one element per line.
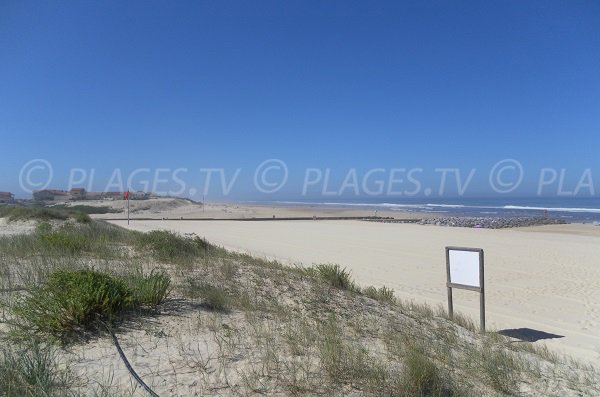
<point>127,207</point>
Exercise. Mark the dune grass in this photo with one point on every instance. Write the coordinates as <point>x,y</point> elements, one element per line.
<point>87,209</point>
<point>31,371</point>
<point>382,294</point>
<point>149,290</point>
<point>300,331</point>
<point>72,303</point>
<point>422,376</point>
<point>334,275</point>
<point>43,214</point>
<point>168,246</point>
<point>213,297</point>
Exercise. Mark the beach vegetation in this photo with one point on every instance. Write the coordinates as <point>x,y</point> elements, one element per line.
<point>241,324</point>
<point>213,297</point>
<point>169,246</point>
<point>31,370</point>
<point>334,275</point>
<point>72,302</point>
<point>14,214</point>
<point>86,209</point>
<point>45,214</point>
<point>382,294</point>
<point>421,376</point>
<point>149,289</point>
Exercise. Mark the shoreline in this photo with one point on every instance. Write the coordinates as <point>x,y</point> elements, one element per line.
<point>424,208</point>
<point>173,207</point>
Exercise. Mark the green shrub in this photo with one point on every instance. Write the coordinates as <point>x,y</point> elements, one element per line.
<point>149,290</point>
<point>335,276</point>
<point>382,294</point>
<point>43,227</point>
<point>72,302</point>
<point>65,241</point>
<point>169,246</point>
<point>81,217</point>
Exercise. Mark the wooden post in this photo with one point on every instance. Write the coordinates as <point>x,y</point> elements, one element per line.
<point>450,304</point>
<point>481,295</point>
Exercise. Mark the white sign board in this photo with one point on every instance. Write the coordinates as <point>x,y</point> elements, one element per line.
<point>464,267</point>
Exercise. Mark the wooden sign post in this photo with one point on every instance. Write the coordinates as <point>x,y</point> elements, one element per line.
<point>464,270</point>
<point>126,197</point>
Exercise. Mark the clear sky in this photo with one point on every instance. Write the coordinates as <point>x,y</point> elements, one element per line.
<point>321,84</point>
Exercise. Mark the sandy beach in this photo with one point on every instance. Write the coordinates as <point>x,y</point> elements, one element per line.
<point>179,208</point>
<point>542,278</point>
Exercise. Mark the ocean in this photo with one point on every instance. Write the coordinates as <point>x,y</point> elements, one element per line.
<point>577,210</point>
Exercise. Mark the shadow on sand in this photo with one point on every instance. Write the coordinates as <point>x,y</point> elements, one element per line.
<point>528,334</point>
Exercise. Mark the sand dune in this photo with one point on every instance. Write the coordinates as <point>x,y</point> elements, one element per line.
<point>540,278</point>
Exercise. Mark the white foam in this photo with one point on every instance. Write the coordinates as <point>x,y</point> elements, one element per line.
<point>551,209</point>
<point>447,205</point>
<point>429,206</point>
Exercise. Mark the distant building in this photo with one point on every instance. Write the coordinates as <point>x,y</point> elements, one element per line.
<point>51,195</point>
<point>78,194</point>
<point>139,195</point>
<point>112,195</point>
<point>7,198</point>
<point>82,194</point>
<point>43,195</point>
<point>94,195</point>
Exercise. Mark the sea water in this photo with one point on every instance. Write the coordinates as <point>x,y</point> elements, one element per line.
<point>571,209</point>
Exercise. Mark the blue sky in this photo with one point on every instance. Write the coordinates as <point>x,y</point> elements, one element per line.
<point>340,85</point>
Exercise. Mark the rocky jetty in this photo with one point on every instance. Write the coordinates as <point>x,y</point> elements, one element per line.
<point>491,222</point>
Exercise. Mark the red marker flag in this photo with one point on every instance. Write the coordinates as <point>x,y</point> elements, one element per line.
<point>126,196</point>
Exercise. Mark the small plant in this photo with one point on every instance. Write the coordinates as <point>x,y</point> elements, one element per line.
<point>150,290</point>
<point>65,241</point>
<point>214,298</point>
<point>72,302</point>
<point>500,368</point>
<point>81,217</point>
<point>43,227</point>
<point>169,246</point>
<point>382,294</point>
<point>32,371</point>
<point>421,377</point>
<point>335,275</point>
<point>349,362</point>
